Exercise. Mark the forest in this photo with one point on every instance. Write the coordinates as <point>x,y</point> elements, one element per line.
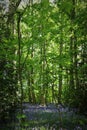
<point>43,63</point>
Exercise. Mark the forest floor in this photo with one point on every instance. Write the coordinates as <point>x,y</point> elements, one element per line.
<point>52,117</point>
<point>47,117</point>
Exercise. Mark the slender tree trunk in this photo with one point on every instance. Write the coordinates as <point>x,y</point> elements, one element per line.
<point>75,64</point>
<point>43,73</point>
<point>72,41</point>
<point>60,87</point>
<point>71,65</point>
<point>60,64</point>
<point>32,77</point>
<point>19,61</point>
<point>53,97</point>
<point>29,87</point>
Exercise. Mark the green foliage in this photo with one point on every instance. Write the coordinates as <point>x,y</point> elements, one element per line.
<point>66,6</point>
<point>53,55</point>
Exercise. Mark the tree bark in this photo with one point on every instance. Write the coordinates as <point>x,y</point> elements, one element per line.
<point>19,60</point>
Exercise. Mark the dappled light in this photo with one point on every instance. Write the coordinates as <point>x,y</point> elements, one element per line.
<point>43,65</point>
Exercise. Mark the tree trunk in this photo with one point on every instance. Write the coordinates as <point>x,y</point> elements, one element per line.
<point>60,64</point>
<point>19,61</point>
<point>72,42</point>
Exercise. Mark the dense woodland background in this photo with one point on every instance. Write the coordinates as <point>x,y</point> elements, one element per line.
<point>43,53</point>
